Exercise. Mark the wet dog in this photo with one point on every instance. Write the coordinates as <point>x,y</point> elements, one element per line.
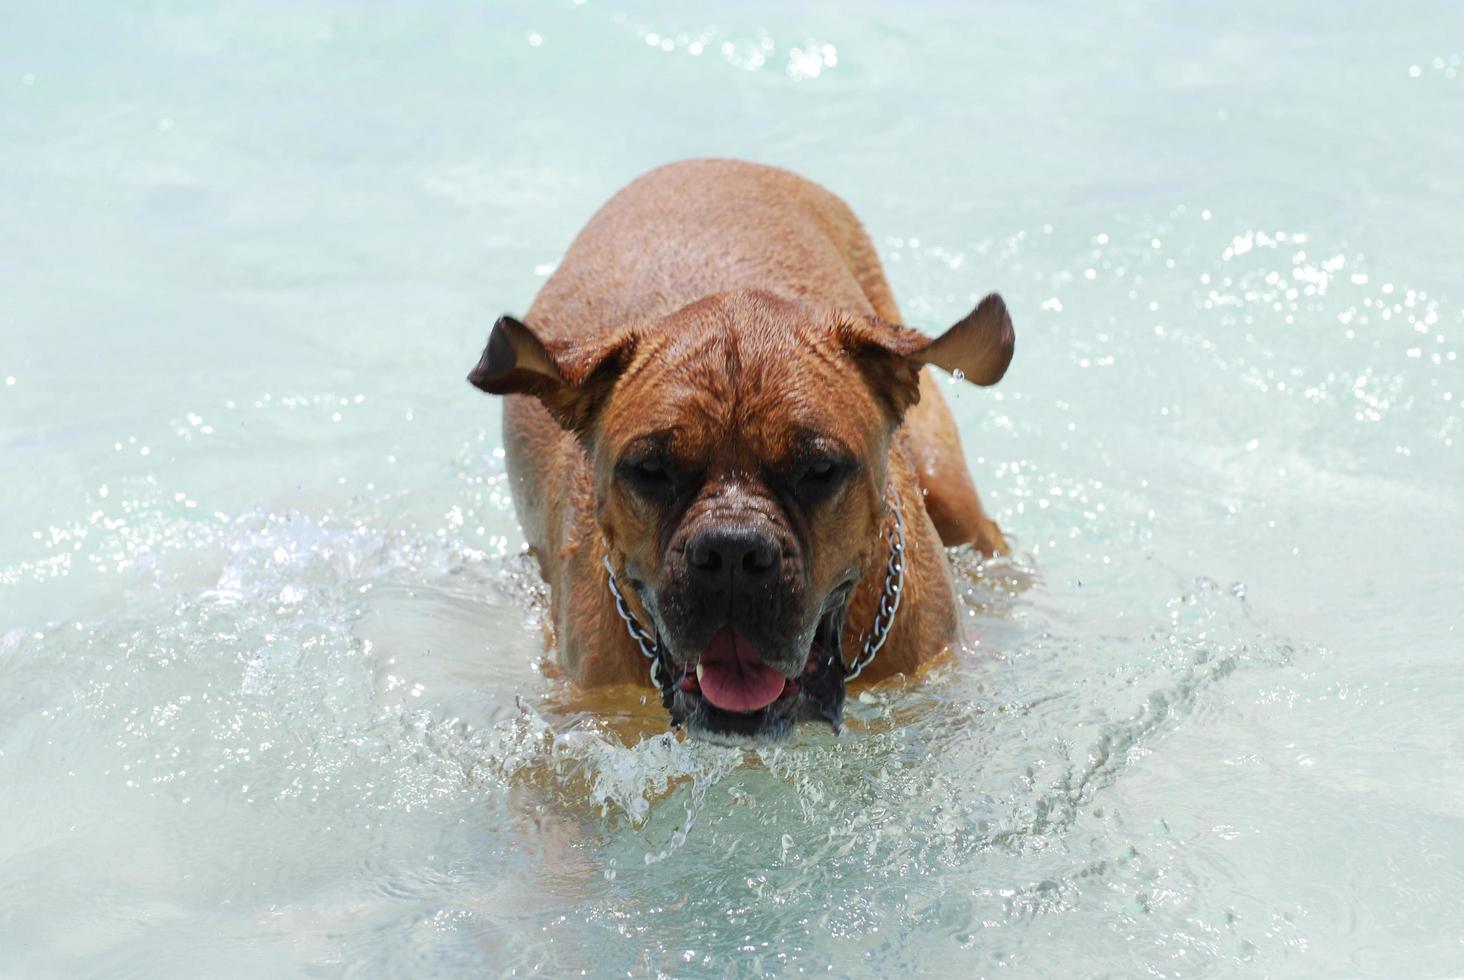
<point>727,453</point>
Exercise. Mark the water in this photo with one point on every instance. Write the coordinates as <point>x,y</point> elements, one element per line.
<point>272,695</point>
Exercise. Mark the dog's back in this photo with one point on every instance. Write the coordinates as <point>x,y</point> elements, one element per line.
<point>701,227</point>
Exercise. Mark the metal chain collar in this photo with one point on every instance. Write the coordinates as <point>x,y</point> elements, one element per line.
<point>889,599</point>
<point>884,618</point>
<point>650,644</point>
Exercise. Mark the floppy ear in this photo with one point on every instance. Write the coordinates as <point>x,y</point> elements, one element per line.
<point>977,348</point>
<point>571,380</point>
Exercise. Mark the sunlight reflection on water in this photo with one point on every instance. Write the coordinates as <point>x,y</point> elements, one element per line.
<point>272,687</point>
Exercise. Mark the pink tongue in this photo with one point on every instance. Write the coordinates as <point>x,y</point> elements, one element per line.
<point>733,678</point>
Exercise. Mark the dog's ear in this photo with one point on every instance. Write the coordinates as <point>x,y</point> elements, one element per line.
<point>977,348</point>
<point>571,380</point>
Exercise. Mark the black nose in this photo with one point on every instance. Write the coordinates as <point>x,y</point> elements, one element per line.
<point>751,553</point>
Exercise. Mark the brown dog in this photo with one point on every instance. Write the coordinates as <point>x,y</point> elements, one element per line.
<point>725,420</point>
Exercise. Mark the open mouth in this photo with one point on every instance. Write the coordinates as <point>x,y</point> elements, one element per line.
<point>731,692</point>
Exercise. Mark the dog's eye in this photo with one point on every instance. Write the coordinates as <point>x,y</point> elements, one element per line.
<point>819,479</point>
<point>647,476</point>
<point>819,472</point>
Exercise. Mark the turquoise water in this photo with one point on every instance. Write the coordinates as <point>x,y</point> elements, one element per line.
<point>271,693</point>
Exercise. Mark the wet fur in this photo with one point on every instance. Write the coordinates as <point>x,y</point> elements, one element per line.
<point>752,261</point>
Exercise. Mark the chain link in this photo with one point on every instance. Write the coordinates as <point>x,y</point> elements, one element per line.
<point>649,643</point>
<point>889,600</point>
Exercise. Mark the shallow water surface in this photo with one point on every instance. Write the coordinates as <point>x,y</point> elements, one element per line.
<point>272,688</point>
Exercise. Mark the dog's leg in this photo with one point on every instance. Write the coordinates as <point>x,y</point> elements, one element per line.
<point>950,496</point>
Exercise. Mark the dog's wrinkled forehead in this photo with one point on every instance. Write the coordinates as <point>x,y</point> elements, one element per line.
<point>730,380</point>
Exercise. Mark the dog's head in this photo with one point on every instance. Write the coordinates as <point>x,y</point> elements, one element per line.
<point>739,450</point>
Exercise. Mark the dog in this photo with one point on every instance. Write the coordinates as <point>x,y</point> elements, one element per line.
<point>728,455</point>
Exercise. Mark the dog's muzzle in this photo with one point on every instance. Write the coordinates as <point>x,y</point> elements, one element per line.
<point>730,691</point>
